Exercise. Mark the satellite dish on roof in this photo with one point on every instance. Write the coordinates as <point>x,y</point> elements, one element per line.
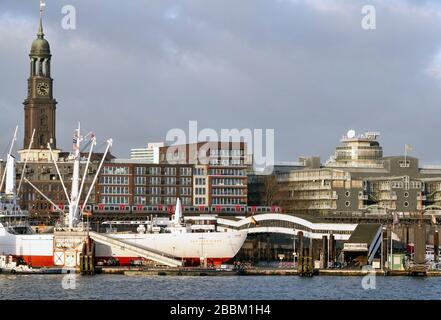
<point>350,134</point>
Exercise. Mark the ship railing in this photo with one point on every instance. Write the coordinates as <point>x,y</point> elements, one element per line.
<point>13,213</point>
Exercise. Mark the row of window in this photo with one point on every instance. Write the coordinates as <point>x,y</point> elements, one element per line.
<point>200,191</point>
<point>227,172</point>
<point>115,170</point>
<point>168,171</point>
<point>227,201</point>
<point>121,180</point>
<point>228,191</point>
<point>164,190</point>
<point>199,171</point>
<point>199,201</point>
<point>227,182</point>
<point>141,200</point>
<point>226,162</point>
<point>114,200</point>
<point>227,152</point>
<point>114,190</point>
<point>406,184</point>
<point>139,180</point>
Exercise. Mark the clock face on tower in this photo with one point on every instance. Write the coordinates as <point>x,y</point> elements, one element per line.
<point>42,89</point>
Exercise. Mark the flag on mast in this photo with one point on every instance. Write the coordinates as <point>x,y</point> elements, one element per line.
<point>75,141</point>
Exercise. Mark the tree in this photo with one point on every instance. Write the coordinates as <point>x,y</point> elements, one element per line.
<point>270,190</point>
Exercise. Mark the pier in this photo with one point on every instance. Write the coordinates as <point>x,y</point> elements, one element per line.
<point>132,271</point>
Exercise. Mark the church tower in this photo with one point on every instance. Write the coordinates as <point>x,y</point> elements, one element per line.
<point>40,105</point>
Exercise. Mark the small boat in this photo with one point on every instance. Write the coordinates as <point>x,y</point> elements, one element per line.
<point>9,264</point>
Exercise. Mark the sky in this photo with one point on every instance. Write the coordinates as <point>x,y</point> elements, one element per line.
<point>132,70</point>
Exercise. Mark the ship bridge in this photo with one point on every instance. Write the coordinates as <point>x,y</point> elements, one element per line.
<point>289,224</point>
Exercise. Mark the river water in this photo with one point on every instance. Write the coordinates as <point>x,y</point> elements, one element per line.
<point>231,288</point>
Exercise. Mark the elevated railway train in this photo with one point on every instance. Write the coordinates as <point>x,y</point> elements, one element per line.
<point>169,209</point>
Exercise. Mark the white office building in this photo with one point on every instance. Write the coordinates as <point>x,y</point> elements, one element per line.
<point>149,154</point>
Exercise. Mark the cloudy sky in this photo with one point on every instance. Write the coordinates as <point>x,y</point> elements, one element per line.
<point>134,69</point>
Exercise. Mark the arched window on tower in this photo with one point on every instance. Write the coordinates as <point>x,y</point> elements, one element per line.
<point>43,120</point>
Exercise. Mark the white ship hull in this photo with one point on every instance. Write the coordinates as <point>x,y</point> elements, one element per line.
<point>35,249</point>
<point>216,247</point>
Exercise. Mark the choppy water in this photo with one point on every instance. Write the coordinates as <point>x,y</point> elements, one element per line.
<point>235,287</point>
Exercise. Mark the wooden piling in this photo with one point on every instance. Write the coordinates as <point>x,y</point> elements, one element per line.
<point>325,252</point>
<point>331,249</point>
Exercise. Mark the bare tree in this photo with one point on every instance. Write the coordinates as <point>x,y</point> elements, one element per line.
<point>270,190</point>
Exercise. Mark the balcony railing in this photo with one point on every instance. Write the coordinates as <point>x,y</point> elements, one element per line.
<point>311,187</point>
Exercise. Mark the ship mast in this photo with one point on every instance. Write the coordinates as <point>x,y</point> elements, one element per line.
<point>74,194</point>
<point>73,216</point>
<point>9,153</point>
<point>178,212</point>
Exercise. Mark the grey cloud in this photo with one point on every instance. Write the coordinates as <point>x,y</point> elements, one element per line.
<point>132,70</point>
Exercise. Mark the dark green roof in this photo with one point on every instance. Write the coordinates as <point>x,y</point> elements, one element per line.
<point>40,47</point>
<point>364,233</point>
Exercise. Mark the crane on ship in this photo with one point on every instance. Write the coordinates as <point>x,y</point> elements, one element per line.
<point>76,210</point>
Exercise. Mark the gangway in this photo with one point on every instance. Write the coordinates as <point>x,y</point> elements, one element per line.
<point>375,245</point>
<point>365,239</point>
<point>143,252</point>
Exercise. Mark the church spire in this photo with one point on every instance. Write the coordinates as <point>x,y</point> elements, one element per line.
<point>40,104</point>
<point>40,47</point>
<point>40,33</point>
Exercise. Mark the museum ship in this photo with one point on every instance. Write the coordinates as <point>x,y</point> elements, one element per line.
<point>175,239</point>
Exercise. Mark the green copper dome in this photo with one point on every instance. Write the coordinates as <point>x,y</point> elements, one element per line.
<point>40,47</point>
